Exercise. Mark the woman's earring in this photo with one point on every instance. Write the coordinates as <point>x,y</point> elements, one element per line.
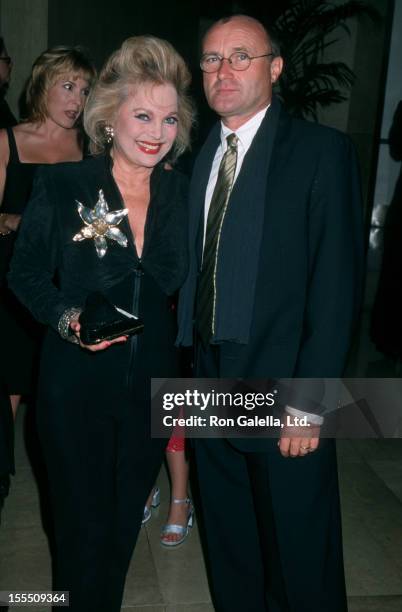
<point>109,133</point>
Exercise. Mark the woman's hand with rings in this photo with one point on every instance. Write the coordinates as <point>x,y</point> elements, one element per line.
<point>101,346</point>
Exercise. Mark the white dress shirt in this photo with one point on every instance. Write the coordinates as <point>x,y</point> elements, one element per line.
<point>245,133</point>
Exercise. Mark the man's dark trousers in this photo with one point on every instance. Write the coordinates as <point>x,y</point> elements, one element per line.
<point>272,524</point>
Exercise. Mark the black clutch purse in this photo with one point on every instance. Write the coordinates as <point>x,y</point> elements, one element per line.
<point>101,320</point>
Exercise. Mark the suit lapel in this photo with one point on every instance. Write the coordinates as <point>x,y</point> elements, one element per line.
<point>242,236</point>
<point>199,183</point>
<point>252,179</point>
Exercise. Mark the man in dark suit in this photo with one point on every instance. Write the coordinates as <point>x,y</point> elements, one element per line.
<point>274,282</point>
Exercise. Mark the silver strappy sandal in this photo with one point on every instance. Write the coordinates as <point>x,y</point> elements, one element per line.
<point>171,528</point>
<point>156,500</point>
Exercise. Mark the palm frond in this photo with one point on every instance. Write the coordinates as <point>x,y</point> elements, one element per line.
<point>330,73</point>
<point>313,46</point>
<point>311,103</point>
<point>306,30</point>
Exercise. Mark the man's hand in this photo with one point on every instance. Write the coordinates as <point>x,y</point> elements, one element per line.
<point>298,441</point>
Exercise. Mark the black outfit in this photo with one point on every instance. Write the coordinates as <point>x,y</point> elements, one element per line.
<point>19,333</point>
<point>386,323</point>
<point>93,408</point>
<point>272,524</point>
<point>7,118</point>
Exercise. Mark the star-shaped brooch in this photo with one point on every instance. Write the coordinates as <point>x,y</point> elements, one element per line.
<point>101,224</point>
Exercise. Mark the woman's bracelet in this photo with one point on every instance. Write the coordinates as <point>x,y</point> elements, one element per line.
<point>63,325</point>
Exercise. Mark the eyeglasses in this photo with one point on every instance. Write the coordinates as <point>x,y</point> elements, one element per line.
<point>239,60</point>
<point>6,59</point>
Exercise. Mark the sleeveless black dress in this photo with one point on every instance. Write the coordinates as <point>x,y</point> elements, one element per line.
<point>19,332</point>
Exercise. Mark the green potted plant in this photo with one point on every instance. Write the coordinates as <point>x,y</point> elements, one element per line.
<point>306,29</point>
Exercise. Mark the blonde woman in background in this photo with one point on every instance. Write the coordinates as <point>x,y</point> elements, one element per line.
<point>56,94</point>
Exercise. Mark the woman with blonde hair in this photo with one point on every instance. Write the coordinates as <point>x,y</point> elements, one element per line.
<point>55,98</point>
<point>112,229</point>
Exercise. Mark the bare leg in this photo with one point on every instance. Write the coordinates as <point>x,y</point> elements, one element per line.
<point>178,513</point>
<point>15,400</point>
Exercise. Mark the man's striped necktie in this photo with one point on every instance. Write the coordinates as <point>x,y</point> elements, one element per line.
<point>206,294</point>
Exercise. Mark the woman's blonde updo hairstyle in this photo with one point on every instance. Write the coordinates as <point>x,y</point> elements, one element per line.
<point>47,69</point>
<point>140,59</point>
